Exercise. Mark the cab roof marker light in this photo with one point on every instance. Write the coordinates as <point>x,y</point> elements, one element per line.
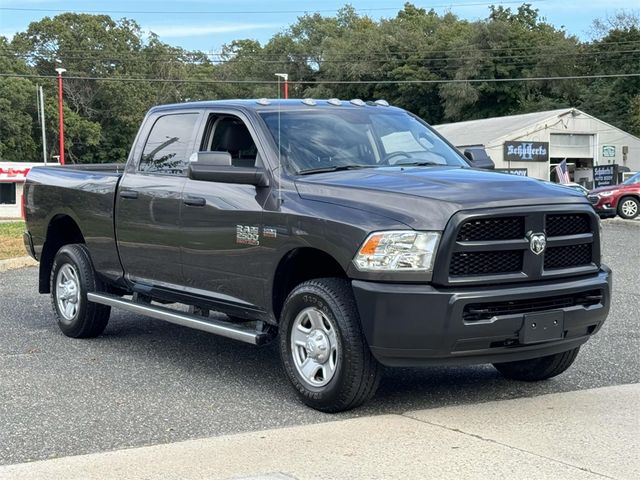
<point>382,103</point>
<point>309,101</point>
<point>358,102</point>
<point>334,101</point>
<point>263,101</point>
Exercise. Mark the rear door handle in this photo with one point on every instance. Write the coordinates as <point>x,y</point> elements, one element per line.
<point>132,194</point>
<point>195,201</point>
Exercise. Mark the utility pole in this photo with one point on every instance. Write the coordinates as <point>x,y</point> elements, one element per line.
<point>44,133</point>
<point>60,114</point>
<point>284,77</point>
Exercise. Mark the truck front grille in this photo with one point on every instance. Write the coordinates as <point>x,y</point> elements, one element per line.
<point>498,248</point>
<point>486,263</point>
<point>505,228</point>
<point>568,256</point>
<point>474,312</point>
<point>567,224</point>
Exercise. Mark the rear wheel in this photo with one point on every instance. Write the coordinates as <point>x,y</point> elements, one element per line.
<point>323,350</point>
<point>628,208</point>
<point>538,369</point>
<point>72,277</point>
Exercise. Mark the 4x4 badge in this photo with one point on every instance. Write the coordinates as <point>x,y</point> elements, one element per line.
<point>537,242</point>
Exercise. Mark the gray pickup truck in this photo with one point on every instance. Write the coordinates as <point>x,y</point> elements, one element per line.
<point>349,231</point>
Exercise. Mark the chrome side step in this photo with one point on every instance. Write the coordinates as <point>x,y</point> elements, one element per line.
<point>217,327</point>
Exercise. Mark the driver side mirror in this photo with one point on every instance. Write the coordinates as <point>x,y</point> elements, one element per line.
<point>217,167</point>
<point>478,158</point>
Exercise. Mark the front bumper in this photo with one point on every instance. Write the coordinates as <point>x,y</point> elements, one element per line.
<point>414,325</point>
<point>604,206</point>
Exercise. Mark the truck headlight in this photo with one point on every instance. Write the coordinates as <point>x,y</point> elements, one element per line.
<point>605,194</point>
<point>400,250</point>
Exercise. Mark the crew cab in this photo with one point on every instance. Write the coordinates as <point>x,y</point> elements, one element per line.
<point>623,199</point>
<point>349,232</point>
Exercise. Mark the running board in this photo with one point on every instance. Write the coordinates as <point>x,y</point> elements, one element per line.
<point>217,327</point>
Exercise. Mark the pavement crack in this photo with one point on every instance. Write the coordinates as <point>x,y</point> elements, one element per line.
<point>496,442</point>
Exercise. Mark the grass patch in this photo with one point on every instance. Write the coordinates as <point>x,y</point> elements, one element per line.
<point>11,244</point>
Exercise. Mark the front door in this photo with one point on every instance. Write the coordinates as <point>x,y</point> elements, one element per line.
<point>149,201</point>
<point>223,251</point>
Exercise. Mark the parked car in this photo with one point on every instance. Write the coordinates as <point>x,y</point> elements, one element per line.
<point>622,199</point>
<point>577,187</point>
<point>349,232</point>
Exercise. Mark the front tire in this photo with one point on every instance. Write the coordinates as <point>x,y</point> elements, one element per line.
<point>72,276</point>
<point>323,349</point>
<point>628,208</point>
<point>538,369</point>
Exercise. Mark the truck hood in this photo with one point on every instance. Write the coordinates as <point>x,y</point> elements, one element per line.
<point>427,197</point>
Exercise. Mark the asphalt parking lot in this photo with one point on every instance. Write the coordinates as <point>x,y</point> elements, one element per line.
<point>146,382</point>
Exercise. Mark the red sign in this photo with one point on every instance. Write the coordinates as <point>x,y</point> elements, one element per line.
<point>13,174</point>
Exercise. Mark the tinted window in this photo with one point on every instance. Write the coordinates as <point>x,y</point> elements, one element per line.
<point>167,144</point>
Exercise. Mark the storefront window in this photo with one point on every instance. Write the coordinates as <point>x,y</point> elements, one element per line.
<point>8,193</point>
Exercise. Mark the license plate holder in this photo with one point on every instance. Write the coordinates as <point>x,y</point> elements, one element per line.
<point>542,327</point>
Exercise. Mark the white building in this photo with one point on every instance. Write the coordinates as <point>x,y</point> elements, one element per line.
<point>538,141</point>
<point>12,177</point>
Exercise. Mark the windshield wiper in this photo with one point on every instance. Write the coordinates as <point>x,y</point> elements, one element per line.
<point>333,168</point>
<point>425,163</point>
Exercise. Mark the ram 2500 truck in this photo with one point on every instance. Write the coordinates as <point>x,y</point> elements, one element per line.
<point>349,231</point>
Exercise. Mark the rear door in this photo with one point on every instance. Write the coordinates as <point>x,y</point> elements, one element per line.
<point>224,250</point>
<point>149,199</point>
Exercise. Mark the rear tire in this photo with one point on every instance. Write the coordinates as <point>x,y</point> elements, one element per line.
<point>538,369</point>
<point>323,349</point>
<point>72,277</point>
<point>628,208</point>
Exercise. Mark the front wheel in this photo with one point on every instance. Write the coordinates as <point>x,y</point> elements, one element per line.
<point>323,350</point>
<point>628,208</point>
<point>72,277</point>
<point>538,369</point>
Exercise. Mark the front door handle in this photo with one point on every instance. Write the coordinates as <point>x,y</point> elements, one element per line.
<point>195,201</point>
<point>132,194</point>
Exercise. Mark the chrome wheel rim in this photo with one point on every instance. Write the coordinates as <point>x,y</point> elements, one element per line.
<point>314,347</point>
<point>67,291</point>
<point>630,208</point>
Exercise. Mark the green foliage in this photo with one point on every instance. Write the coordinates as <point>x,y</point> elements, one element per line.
<point>102,116</point>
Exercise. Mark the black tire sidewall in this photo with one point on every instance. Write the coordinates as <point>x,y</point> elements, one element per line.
<point>70,255</point>
<point>302,298</point>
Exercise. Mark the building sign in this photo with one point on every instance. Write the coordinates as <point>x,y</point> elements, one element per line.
<point>13,174</point>
<point>609,151</point>
<point>526,151</point>
<point>605,175</point>
<point>522,172</point>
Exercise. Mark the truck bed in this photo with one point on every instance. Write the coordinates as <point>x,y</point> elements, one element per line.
<point>87,195</point>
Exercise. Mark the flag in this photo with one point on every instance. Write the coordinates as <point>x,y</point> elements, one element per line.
<point>563,172</point>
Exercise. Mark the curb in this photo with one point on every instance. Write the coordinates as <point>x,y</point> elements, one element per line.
<point>18,262</point>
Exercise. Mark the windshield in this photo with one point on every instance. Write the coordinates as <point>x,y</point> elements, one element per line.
<point>326,140</point>
<point>633,180</point>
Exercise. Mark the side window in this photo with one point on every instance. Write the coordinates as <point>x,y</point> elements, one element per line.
<point>230,134</point>
<point>166,148</point>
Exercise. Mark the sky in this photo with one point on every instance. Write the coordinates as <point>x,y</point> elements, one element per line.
<point>208,24</point>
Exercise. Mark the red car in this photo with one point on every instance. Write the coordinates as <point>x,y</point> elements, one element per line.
<point>623,199</point>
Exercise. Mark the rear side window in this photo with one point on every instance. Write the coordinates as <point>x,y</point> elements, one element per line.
<point>166,150</point>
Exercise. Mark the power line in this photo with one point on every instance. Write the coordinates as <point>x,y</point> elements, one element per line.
<point>245,12</point>
<point>470,47</point>
<point>329,82</point>
<point>287,57</point>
